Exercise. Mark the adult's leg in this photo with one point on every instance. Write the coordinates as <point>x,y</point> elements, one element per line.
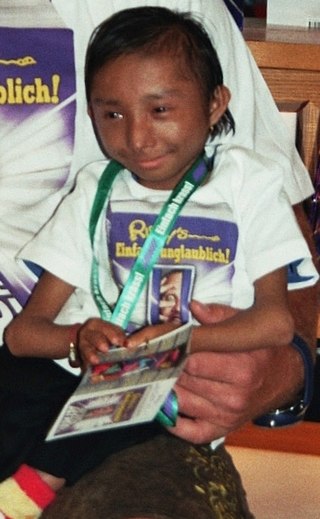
<point>162,478</point>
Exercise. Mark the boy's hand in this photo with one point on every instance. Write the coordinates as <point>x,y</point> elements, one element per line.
<point>148,333</point>
<point>208,314</point>
<point>97,336</point>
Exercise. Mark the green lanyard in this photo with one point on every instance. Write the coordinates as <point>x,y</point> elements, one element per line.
<point>152,246</point>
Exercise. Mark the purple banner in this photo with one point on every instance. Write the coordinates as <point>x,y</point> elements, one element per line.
<point>37,111</point>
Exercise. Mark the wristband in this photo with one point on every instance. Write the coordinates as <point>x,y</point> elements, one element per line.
<point>168,413</point>
<point>295,412</point>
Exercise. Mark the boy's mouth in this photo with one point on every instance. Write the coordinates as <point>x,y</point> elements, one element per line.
<point>150,163</point>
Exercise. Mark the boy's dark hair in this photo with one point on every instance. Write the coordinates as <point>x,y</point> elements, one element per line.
<point>154,30</point>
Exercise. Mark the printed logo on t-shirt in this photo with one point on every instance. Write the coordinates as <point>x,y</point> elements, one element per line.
<point>197,261</point>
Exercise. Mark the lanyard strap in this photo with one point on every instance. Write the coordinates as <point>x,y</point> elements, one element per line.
<point>152,246</point>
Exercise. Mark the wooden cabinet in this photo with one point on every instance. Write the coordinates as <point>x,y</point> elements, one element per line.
<point>288,58</point>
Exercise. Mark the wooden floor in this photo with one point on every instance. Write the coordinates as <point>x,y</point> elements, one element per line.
<point>280,470</point>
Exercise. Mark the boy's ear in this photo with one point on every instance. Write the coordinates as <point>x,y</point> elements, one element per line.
<point>219,103</point>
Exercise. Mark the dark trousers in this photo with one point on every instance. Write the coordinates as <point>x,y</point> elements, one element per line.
<point>32,392</point>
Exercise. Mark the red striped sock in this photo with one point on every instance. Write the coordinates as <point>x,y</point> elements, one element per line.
<point>24,493</point>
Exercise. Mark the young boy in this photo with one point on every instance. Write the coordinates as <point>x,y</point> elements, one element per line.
<point>156,99</point>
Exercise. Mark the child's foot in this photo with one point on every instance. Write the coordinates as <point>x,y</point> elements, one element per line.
<point>24,495</point>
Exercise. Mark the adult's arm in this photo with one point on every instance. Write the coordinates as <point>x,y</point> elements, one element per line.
<point>219,392</point>
<point>258,123</point>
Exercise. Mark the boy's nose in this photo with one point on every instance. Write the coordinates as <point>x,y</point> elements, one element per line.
<point>140,134</point>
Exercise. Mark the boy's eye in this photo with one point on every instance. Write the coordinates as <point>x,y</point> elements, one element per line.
<point>115,115</point>
<point>161,109</point>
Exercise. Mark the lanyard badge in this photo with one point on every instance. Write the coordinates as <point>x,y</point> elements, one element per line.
<point>148,256</point>
<point>152,246</point>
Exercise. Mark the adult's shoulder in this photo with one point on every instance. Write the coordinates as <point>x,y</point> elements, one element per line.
<point>87,178</point>
<point>245,163</point>
<point>91,172</point>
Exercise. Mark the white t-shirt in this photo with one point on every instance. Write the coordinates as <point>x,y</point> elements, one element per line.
<point>234,229</point>
<point>258,123</point>
<point>37,178</point>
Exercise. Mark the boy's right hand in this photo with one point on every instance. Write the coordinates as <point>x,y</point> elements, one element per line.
<point>97,336</point>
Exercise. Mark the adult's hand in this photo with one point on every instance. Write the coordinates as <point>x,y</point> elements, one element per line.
<point>220,392</point>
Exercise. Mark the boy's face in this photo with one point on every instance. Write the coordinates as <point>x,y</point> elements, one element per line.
<point>151,117</point>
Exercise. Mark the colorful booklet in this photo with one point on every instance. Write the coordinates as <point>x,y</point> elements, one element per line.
<point>126,388</point>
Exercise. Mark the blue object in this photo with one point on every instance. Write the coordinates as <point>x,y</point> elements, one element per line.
<point>293,274</point>
<point>236,9</point>
<point>295,412</point>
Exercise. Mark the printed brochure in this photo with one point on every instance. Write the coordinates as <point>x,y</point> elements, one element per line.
<point>126,388</point>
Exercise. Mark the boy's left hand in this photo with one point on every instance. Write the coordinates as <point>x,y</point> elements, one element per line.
<point>97,336</point>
